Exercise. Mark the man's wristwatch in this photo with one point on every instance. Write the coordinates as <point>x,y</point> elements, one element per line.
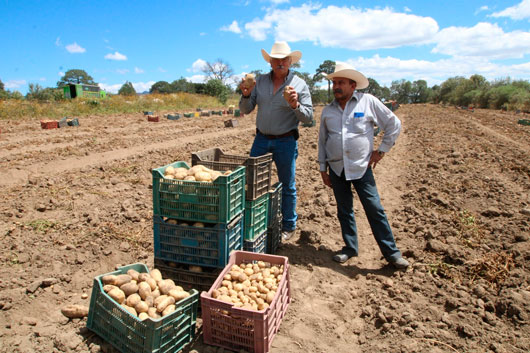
<point>381,154</point>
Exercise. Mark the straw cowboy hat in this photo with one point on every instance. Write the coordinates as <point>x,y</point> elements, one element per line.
<point>281,50</point>
<point>347,71</point>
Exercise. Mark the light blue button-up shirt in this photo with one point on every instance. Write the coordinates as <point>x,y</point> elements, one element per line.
<point>275,116</point>
<point>346,137</point>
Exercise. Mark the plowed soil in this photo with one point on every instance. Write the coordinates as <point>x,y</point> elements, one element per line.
<point>76,202</point>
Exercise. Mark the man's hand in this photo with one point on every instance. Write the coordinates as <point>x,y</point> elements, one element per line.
<point>290,95</point>
<point>325,178</point>
<point>247,84</point>
<point>375,158</point>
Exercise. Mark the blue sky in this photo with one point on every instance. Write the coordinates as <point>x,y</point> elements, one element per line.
<point>148,41</point>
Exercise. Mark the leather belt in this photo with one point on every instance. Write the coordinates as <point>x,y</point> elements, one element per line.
<point>273,137</point>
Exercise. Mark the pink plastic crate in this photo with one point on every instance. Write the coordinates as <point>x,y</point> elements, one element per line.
<point>234,328</point>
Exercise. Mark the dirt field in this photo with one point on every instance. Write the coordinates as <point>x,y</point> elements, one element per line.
<point>76,202</point>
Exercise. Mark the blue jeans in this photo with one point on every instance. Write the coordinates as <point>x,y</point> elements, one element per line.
<point>284,153</point>
<point>369,197</point>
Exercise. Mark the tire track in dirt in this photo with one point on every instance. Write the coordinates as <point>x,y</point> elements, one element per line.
<point>19,176</point>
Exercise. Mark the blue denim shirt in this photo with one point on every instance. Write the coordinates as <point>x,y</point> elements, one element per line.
<point>346,137</point>
<point>275,116</point>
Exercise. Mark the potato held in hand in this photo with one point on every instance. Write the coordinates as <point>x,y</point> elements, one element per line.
<point>249,81</point>
<point>287,93</point>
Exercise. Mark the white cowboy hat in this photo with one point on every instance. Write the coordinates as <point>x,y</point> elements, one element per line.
<point>281,50</point>
<point>344,70</point>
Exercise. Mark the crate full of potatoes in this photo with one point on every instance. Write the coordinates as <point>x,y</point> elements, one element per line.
<point>198,194</point>
<point>138,311</point>
<point>244,307</point>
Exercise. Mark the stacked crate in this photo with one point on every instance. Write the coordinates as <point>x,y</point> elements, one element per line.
<point>258,183</point>
<point>274,222</point>
<point>196,225</point>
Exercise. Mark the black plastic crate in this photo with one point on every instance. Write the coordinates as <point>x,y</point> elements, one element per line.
<point>274,237</point>
<point>258,169</point>
<point>184,277</point>
<point>257,245</point>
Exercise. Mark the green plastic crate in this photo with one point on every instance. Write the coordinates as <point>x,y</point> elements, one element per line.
<point>216,202</point>
<point>256,217</point>
<point>128,334</point>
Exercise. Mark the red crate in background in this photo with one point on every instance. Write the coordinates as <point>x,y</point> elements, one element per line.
<point>234,328</point>
<point>152,118</point>
<point>49,124</point>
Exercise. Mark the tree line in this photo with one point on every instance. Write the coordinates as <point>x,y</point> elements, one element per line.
<point>474,91</point>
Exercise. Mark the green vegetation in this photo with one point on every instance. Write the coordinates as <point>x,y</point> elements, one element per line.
<point>127,89</point>
<point>41,225</point>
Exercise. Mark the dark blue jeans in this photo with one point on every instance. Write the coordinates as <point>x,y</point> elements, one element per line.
<point>284,153</point>
<point>369,197</point>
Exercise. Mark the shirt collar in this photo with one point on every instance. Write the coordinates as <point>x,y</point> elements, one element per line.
<point>355,96</point>
<point>287,78</point>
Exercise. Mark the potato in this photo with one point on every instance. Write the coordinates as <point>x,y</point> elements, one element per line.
<point>133,299</point>
<point>159,299</point>
<point>168,310</point>
<point>270,297</point>
<point>143,316</point>
<point>190,178</point>
<point>117,294</point>
<point>168,300</point>
<point>153,313</point>
<point>131,310</point>
<point>134,274</point>
<point>156,293</point>
<point>178,294</point>
<point>169,171</point>
<point>165,286</point>
<point>150,301</point>
<point>129,288</point>
<point>75,311</point>
<point>122,279</point>
<point>287,92</point>
<point>195,268</point>
<point>141,307</point>
<point>203,176</point>
<point>144,290</point>
<point>109,279</point>
<point>215,293</point>
<point>107,288</point>
<point>249,81</point>
<point>142,277</point>
<point>151,282</point>
<point>156,274</point>
<point>181,175</point>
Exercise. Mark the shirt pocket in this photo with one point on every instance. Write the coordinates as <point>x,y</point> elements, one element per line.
<point>359,123</point>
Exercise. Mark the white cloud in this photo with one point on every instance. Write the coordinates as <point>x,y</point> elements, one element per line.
<point>116,56</point>
<point>12,84</point>
<point>233,27</point>
<point>277,2</point>
<point>58,41</point>
<point>139,87</point>
<point>482,40</point>
<point>197,66</point>
<point>202,33</point>
<point>482,8</point>
<point>42,79</point>
<point>122,71</point>
<point>407,9</point>
<point>161,69</point>
<point>197,78</point>
<point>75,48</point>
<point>520,11</point>
<point>344,27</point>
<point>137,70</point>
<point>60,73</point>
<point>388,69</point>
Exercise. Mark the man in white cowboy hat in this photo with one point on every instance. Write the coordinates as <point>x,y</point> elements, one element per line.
<point>346,156</point>
<point>283,101</point>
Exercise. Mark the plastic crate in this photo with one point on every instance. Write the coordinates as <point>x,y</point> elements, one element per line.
<point>236,329</point>
<point>73,122</point>
<point>256,217</point>
<point>181,275</point>
<point>274,237</point>
<point>275,203</point>
<point>62,123</point>
<point>153,118</point>
<point>216,202</point>
<point>257,245</point>
<point>128,334</point>
<point>189,115</point>
<point>49,124</point>
<point>147,112</point>
<point>259,169</point>
<point>202,246</point>
<point>175,116</point>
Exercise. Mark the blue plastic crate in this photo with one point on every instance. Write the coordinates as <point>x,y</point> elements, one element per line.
<point>128,334</point>
<point>202,246</point>
<point>257,245</point>
<point>209,202</point>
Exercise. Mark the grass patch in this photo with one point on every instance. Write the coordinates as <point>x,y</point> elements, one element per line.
<point>41,225</point>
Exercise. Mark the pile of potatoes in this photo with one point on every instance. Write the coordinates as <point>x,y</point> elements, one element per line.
<point>250,286</point>
<point>195,173</point>
<point>145,295</point>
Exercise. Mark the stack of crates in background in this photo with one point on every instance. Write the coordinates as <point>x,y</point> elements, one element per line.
<point>258,183</point>
<point>274,222</point>
<point>196,225</point>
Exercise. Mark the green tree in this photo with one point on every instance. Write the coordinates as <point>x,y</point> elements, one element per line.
<point>375,89</point>
<point>216,88</point>
<point>161,87</point>
<point>182,85</point>
<point>37,92</point>
<point>1,85</point>
<point>400,91</point>
<point>327,67</point>
<point>127,89</point>
<point>76,76</point>
<point>419,92</point>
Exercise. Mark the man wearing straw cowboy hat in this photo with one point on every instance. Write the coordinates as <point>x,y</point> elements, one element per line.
<point>283,101</point>
<point>346,148</point>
